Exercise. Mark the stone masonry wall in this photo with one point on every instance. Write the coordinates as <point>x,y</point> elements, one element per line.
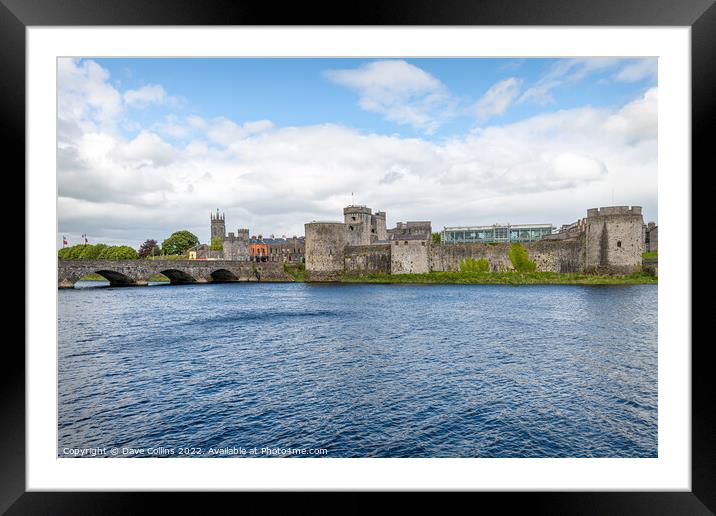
<point>550,256</point>
<point>614,240</point>
<point>449,256</point>
<point>409,257</point>
<point>325,250</point>
<point>367,259</point>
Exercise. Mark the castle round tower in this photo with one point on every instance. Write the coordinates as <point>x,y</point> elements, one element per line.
<point>324,250</point>
<point>614,240</point>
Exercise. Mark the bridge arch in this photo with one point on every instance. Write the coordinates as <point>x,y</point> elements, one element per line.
<point>177,276</point>
<point>222,275</point>
<point>116,279</point>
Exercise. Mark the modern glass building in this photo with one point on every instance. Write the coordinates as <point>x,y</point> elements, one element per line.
<point>495,233</point>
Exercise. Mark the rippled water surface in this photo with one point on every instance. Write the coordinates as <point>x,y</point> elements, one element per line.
<point>361,370</point>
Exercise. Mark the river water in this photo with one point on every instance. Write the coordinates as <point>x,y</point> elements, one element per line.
<point>358,370</point>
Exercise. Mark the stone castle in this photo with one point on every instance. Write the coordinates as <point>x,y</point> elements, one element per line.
<point>235,246</point>
<point>608,240</point>
<point>240,246</point>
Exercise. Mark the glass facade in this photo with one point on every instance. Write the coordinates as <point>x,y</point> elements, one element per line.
<point>496,233</point>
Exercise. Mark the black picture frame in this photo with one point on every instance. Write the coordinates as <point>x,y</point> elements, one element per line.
<point>700,15</point>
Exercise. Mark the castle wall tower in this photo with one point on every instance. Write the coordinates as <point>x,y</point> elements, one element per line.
<point>218,225</point>
<point>614,239</point>
<point>236,246</point>
<point>325,249</point>
<point>380,228</point>
<point>358,222</point>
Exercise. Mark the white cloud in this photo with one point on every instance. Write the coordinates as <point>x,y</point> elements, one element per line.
<point>638,70</point>
<point>147,149</point>
<point>225,132</point>
<point>196,122</point>
<point>85,98</point>
<point>565,71</point>
<point>637,121</point>
<point>497,99</point>
<point>400,91</point>
<point>149,94</point>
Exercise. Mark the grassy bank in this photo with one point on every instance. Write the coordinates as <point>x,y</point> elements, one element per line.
<point>505,278</point>
<point>97,277</point>
<point>296,270</point>
<point>469,278</point>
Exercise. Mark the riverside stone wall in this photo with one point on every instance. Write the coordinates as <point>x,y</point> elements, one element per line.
<point>549,256</point>
<point>367,259</point>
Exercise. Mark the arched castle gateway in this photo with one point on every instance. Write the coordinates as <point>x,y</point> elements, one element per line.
<point>609,240</point>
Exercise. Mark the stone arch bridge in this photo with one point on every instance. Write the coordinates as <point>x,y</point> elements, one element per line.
<point>121,273</point>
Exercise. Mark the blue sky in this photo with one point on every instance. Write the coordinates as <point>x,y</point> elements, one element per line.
<point>292,92</point>
<point>284,141</point>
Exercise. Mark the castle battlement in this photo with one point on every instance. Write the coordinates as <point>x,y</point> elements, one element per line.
<point>613,210</point>
<point>357,209</point>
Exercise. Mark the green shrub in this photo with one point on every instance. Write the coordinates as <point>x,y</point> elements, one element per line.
<point>92,252</point>
<point>64,253</point>
<point>520,259</point>
<point>118,252</point>
<point>72,253</point>
<point>472,265</point>
<point>216,244</point>
<point>297,270</point>
<point>97,252</point>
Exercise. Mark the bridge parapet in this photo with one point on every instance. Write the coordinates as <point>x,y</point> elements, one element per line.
<point>138,272</point>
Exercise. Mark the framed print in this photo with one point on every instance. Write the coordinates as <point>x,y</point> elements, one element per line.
<point>430,260</point>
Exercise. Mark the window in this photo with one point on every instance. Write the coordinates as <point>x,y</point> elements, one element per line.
<point>619,243</point>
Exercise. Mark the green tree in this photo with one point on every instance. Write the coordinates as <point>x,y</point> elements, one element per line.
<point>179,242</point>
<point>472,265</point>
<point>92,252</point>
<point>520,259</point>
<point>216,244</point>
<point>64,253</point>
<point>72,253</point>
<point>119,252</point>
<point>436,239</point>
<point>150,247</point>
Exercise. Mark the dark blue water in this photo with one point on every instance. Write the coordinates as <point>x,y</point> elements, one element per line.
<point>359,370</point>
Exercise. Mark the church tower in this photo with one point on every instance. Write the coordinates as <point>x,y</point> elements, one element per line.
<point>218,225</point>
